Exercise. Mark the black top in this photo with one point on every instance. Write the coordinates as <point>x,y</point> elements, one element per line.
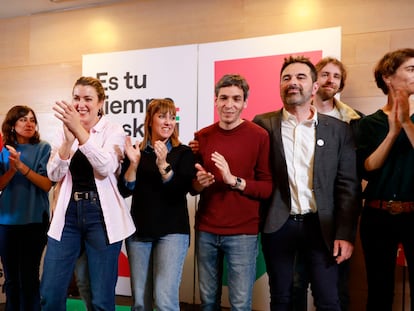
<point>395,179</point>
<point>82,173</point>
<point>159,208</point>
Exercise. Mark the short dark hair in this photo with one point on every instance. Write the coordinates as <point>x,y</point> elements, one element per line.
<point>300,59</point>
<point>389,64</point>
<point>233,80</point>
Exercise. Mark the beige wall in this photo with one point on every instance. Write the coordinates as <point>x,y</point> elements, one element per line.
<point>41,55</point>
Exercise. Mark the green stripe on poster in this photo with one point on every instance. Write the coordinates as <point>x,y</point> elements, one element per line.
<point>78,305</point>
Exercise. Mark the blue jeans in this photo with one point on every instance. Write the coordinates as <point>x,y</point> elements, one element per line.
<point>240,252</point>
<point>83,226</point>
<point>156,267</point>
<point>21,248</point>
<point>82,280</point>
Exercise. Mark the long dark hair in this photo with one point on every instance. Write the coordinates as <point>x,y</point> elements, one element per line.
<point>14,114</point>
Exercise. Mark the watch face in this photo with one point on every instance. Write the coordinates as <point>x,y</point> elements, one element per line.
<point>238,182</point>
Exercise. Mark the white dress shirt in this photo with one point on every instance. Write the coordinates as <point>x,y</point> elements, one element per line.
<point>299,146</point>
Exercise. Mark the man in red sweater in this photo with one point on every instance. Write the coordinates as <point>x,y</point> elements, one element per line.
<point>233,177</point>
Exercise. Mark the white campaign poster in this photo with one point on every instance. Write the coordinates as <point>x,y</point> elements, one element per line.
<point>131,79</point>
<point>187,74</point>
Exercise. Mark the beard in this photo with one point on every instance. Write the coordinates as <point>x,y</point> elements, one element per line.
<point>296,99</point>
<point>326,94</point>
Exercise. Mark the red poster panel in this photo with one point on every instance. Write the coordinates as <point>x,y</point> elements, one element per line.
<point>262,74</point>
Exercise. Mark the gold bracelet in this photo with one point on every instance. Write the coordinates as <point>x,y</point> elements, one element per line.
<point>28,171</point>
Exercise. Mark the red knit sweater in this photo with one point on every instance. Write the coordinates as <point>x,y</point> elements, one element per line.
<point>223,210</point>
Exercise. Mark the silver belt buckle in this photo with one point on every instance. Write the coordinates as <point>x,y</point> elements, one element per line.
<point>77,197</point>
<point>394,207</point>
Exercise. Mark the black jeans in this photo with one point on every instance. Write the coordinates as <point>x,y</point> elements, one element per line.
<point>21,248</point>
<point>381,232</point>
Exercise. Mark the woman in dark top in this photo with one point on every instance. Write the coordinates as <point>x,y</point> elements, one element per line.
<point>386,158</point>
<point>158,174</point>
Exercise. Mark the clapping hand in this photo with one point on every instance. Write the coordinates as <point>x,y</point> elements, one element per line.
<point>132,151</point>
<point>204,178</point>
<point>223,167</point>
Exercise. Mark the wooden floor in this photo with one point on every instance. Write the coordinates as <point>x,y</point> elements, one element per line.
<point>127,301</point>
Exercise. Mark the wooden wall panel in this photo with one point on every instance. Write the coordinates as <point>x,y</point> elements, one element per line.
<point>37,86</point>
<point>14,42</point>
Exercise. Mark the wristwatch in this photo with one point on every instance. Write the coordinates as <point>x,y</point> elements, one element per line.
<point>237,183</point>
<point>166,169</point>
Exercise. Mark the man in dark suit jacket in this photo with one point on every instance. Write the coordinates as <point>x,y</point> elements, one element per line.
<point>314,206</point>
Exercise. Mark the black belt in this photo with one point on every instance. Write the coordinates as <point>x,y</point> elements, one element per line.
<point>84,195</point>
<point>300,217</point>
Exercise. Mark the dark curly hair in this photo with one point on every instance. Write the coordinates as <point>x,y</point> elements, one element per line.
<point>389,64</point>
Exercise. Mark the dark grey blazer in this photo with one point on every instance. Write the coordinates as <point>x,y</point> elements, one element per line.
<point>335,182</point>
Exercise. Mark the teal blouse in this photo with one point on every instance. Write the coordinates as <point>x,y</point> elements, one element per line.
<point>21,202</point>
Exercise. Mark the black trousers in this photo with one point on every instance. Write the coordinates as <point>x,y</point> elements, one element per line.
<point>280,249</point>
<point>21,248</point>
<point>381,233</point>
